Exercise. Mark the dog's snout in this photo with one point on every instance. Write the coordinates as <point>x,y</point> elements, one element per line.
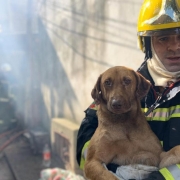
<point>116,104</point>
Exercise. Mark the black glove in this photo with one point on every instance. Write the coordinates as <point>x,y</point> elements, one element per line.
<point>156,175</point>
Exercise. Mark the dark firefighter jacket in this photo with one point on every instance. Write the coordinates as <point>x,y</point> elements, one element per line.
<point>164,119</point>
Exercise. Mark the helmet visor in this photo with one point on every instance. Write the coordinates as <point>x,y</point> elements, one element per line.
<point>162,32</point>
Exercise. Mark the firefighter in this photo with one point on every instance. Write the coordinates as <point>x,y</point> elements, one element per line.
<point>159,38</point>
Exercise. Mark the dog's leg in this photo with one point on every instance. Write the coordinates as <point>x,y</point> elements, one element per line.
<point>170,157</point>
<point>94,170</point>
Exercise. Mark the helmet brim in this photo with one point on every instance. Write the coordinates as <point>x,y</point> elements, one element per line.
<point>162,32</point>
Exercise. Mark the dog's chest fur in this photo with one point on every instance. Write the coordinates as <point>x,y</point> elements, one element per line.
<point>126,143</point>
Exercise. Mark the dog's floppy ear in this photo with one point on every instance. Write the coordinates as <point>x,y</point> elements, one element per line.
<point>96,91</point>
<point>143,86</point>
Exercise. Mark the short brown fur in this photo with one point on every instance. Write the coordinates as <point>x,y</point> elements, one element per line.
<point>123,135</point>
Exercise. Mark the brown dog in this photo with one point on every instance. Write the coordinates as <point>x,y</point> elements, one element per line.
<point>123,135</point>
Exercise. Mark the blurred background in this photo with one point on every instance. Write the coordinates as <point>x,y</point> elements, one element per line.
<point>51,54</point>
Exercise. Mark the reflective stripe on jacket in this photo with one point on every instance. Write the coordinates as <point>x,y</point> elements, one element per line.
<point>171,172</point>
<point>165,119</point>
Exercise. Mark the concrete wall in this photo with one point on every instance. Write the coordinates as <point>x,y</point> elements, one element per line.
<point>88,36</point>
<point>63,47</point>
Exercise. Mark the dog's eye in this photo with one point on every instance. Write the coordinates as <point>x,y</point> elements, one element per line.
<point>108,82</point>
<point>126,80</point>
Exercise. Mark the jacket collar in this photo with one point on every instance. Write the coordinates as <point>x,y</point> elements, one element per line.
<point>168,93</point>
<point>144,72</point>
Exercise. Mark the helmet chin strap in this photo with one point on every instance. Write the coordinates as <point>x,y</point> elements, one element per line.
<point>147,50</point>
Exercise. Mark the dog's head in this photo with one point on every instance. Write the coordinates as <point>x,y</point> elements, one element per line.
<point>119,88</point>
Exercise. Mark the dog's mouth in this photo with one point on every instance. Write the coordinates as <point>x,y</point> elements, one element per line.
<point>119,111</point>
<point>118,107</point>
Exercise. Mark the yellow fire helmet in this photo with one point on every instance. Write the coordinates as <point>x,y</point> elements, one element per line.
<point>158,17</point>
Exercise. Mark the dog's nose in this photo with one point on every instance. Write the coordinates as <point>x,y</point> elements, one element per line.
<point>116,104</point>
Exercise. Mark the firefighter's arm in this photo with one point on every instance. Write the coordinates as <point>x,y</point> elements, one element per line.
<point>168,173</point>
<point>86,131</point>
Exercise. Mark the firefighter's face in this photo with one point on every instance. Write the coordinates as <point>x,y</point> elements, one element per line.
<point>167,48</point>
